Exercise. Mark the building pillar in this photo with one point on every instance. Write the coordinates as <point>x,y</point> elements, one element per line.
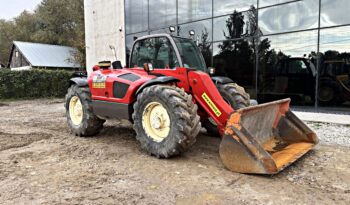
<point>105,31</point>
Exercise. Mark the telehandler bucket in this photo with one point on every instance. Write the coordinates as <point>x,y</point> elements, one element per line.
<point>265,139</point>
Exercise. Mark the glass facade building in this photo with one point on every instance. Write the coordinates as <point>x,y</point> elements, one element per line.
<point>274,48</point>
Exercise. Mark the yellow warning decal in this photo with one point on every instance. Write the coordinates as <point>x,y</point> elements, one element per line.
<point>211,105</point>
<point>99,85</point>
<point>99,81</point>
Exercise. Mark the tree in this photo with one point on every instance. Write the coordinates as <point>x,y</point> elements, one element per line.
<point>52,22</point>
<point>236,58</point>
<point>205,47</point>
<point>7,31</point>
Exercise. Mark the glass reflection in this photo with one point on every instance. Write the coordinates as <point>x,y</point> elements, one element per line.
<point>203,37</point>
<point>162,30</point>
<point>236,25</point>
<point>162,13</point>
<point>287,63</point>
<point>191,10</point>
<point>200,28</point>
<point>236,60</point>
<point>222,7</point>
<point>287,67</point>
<point>136,16</point>
<point>334,81</point>
<point>295,16</point>
<point>264,3</point>
<point>334,12</point>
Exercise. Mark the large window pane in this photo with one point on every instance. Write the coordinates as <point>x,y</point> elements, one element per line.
<point>334,81</point>
<point>287,67</point>
<point>162,13</point>
<point>335,12</point>
<point>236,25</point>
<point>289,17</point>
<point>191,10</point>
<point>136,16</point>
<point>202,29</point>
<point>223,7</point>
<point>263,3</point>
<point>236,60</point>
<point>162,30</point>
<point>203,37</point>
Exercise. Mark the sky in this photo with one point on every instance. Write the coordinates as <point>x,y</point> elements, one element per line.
<point>12,8</point>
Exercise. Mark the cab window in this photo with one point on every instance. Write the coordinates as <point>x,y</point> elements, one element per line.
<point>298,67</point>
<point>157,51</point>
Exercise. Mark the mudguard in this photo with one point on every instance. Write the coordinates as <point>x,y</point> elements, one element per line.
<point>221,80</point>
<point>158,80</point>
<point>80,81</point>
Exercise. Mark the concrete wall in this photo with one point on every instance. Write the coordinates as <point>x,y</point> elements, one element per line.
<point>104,27</point>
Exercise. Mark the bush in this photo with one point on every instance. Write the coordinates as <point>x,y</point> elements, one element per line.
<point>33,83</point>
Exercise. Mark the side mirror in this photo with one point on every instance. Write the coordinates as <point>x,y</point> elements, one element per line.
<point>211,70</point>
<point>117,65</point>
<point>148,67</point>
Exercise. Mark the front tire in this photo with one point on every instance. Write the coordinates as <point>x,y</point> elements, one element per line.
<point>80,117</point>
<point>235,96</point>
<point>165,121</point>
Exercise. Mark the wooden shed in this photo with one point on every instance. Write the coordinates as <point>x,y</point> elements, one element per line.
<point>26,55</point>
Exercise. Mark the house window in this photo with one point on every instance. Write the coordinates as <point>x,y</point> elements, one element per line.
<point>16,54</point>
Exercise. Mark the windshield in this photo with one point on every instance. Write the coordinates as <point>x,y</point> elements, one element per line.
<point>190,54</point>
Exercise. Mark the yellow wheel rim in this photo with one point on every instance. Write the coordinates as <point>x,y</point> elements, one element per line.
<point>75,110</point>
<point>156,121</point>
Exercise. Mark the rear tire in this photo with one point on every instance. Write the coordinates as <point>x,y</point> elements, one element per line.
<point>330,93</point>
<point>165,121</point>
<point>235,96</point>
<point>80,117</point>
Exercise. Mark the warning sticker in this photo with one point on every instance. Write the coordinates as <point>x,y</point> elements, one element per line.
<point>211,105</point>
<point>99,82</point>
<point>99,85</point>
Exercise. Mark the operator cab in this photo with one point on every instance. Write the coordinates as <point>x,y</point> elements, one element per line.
<point>164,51</point>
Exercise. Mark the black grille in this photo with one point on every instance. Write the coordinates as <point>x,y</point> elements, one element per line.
<point>120,89</point>
<point>130,77</point>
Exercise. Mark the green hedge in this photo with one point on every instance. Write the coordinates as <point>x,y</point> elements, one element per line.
<point>33,83</point>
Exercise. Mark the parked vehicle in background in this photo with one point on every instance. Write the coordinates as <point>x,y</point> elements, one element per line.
<point>296,78</point>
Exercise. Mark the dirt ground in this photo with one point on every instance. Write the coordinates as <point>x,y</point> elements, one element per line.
<point>41,163</point>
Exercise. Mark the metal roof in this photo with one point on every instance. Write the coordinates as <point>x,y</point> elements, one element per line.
<point>44,55</point>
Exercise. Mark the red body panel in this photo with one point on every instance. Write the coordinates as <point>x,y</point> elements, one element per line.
<point>196,83</point>
<point>201,83</point>
<point>106,94</point>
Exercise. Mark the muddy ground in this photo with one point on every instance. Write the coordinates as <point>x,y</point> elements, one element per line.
<point>41,163</point>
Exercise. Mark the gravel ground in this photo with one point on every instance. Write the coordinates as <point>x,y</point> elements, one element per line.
<point>332,133</point>
<point>42,163</point>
